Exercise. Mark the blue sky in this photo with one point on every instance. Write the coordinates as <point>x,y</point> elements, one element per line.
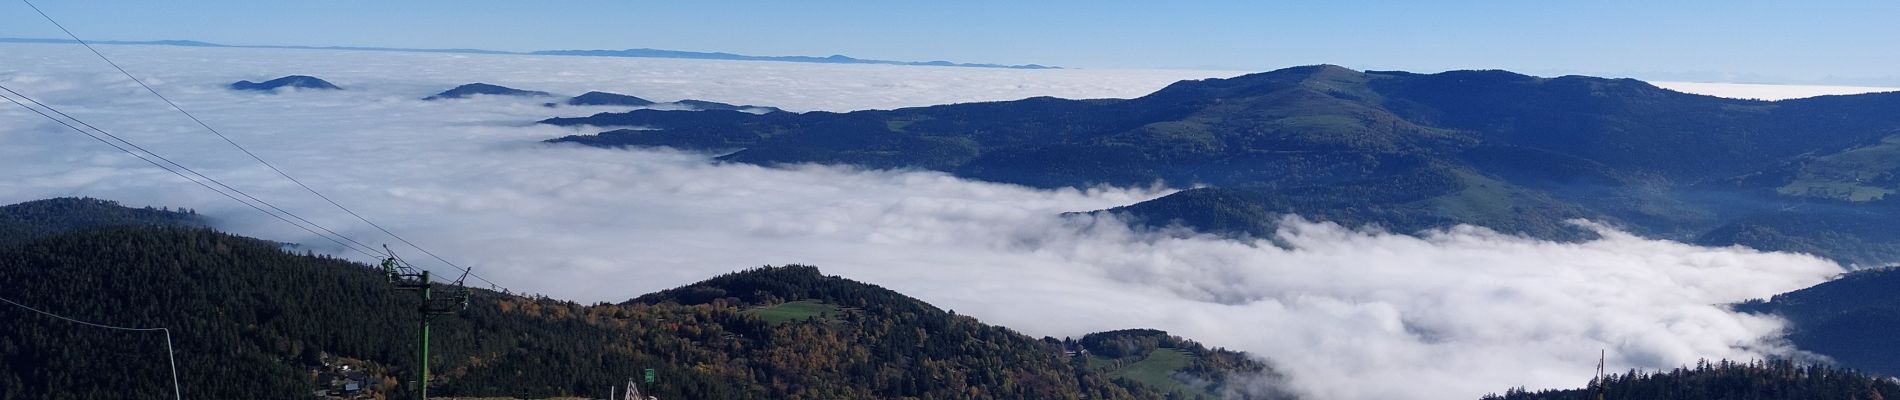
<point>1844,42</point>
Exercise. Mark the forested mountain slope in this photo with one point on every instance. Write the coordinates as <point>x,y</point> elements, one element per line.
<point>250,320</point>
<point>22,222</point>
<point>1727,380</point>
<point>1849,319</point>
<point>1407,151</point>
<point>910,327</point>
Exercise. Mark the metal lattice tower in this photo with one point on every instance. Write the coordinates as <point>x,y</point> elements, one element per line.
<point>406,277</point>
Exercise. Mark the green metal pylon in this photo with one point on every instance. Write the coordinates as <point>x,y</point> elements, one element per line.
<point>422,345</point>
<point>406,278</point>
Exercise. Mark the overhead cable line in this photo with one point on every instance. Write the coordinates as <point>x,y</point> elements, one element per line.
<point>169,354</point>
<point>186,169</point>
<point>254,156</point>
<point>342,242</point>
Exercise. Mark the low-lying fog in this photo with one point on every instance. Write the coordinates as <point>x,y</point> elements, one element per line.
<point>1347,313</point>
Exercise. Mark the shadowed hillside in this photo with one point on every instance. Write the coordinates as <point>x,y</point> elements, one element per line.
<point>1407,151</point>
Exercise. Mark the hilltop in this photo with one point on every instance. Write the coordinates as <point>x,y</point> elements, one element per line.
<point>473,89</point>
<point>604,99</point>
<point>1516,153</point>
<point>615,99</point>
<point>292,81</point>
<point>24,222</point>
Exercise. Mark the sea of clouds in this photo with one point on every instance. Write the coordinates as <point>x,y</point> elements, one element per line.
<point>1768,92</point>
<point>1347,313</point>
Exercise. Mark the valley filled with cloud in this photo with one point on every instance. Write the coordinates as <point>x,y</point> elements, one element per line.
<point>1347,312</point>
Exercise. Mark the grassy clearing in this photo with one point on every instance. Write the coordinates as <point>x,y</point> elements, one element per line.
<point>1156,370</point>
<point>797,311</point>
<point>1848,175</point>
<point>898,125</point>
<point>1834,190</point>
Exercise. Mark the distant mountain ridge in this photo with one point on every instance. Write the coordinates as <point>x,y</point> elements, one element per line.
<point>1406,151</point>
<point>195,43</point>
<point>638,53</point>
<point>832,59</point>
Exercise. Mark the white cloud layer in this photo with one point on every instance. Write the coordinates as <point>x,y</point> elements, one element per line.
<point>1767,91</point>
<point>1348,314</point>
